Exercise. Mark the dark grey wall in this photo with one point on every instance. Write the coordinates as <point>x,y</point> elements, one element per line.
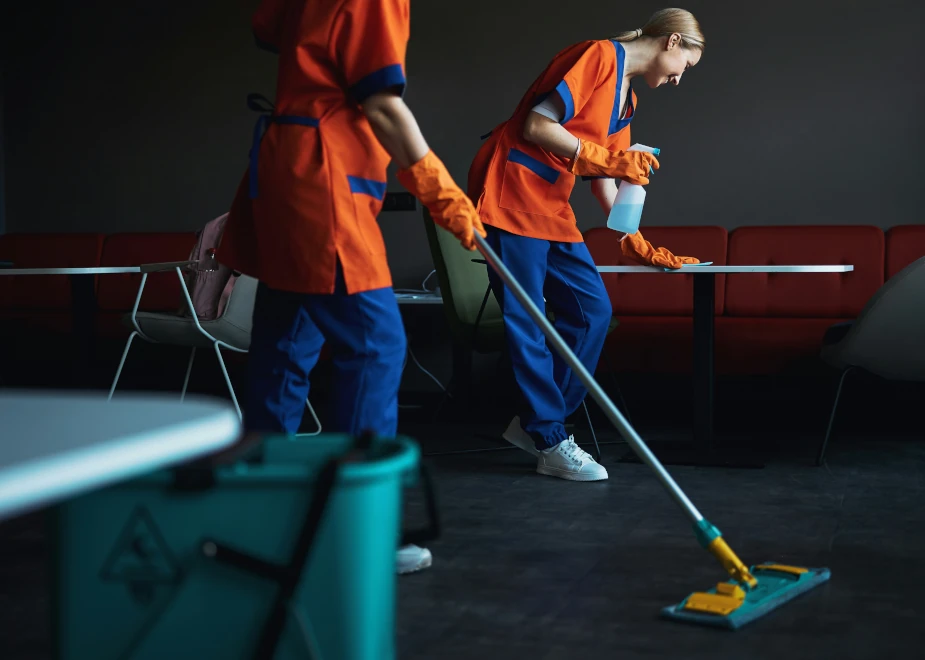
<point>2,171</point>
<point>3,31</point>
<point>130,115</point>
<point>795,109</point>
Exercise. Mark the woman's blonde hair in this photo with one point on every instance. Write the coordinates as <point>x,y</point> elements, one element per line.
<point>666,22</point>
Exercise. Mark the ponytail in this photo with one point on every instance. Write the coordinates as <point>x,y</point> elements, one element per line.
<point>632,35</point>
<point>666,22</point>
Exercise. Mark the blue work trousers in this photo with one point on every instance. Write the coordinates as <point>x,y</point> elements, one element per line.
<point>566,276</point>
<point>367,341</point>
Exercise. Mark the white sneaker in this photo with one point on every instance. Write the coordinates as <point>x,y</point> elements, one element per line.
<point>569,461</point>
<point>412,559</point>
<point>520,438</point>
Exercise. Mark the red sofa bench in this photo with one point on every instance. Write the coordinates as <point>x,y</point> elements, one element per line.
<point>765,323</point>
<point>773,320</point>
<point>42,303</point>
<point>904,244</point>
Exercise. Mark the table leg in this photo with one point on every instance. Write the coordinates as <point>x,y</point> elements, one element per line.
<point>703,451</point>
<point>83,301</point>
<point>4,264</point>
<point>704,338</point>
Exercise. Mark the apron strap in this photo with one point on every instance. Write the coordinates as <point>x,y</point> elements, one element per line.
<point>259,128</point>
<point>260,103</point>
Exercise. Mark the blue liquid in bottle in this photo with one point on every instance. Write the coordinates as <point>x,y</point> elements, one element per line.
<point>625,218</point>
<point>626,211</point>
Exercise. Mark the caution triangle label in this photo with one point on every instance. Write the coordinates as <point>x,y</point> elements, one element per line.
<point>140,555</point>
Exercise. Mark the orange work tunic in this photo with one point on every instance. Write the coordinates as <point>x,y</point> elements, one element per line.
<point>317,177</point>
<point>523,189</point>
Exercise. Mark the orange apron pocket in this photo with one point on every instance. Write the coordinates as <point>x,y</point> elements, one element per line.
<point>368,196</point>
<point>531,186</point>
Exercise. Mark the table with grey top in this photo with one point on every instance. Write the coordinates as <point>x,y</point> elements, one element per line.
<point>83,304</point>
<point>57,445</point>
<point>83,297</point>
<point>703,450</point>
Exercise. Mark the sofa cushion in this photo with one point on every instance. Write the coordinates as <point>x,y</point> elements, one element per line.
<point>162,290</point>
<point>650,344</point>
<point>768,345</point>
<point>53,250</point>
<point>904,244</point>
<point>804,295</point>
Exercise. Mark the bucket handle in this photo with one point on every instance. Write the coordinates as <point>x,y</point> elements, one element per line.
<point>286,576</point>
<point>432,529</point>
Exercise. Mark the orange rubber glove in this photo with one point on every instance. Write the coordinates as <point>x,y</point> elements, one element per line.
<point>595,160</point>
<point>449,206</point>
<point>638,249</point>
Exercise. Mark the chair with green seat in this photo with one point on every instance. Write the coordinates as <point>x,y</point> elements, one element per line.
<point>473,315</point>
<point>472,311</point>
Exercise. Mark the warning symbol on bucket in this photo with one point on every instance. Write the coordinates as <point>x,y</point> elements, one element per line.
<point>140,558</point>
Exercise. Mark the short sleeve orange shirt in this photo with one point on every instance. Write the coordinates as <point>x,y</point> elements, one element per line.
<point>319,173</point>
<point>522,188</point>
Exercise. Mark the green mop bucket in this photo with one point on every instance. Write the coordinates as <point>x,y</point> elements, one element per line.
<point>133,578</point>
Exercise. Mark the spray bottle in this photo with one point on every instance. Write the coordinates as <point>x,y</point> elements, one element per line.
<point>627,206</point>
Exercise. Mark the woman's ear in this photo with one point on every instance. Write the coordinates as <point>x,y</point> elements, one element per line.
<point>673,41</point>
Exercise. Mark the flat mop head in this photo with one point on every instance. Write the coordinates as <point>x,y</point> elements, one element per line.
<point>731,606</point>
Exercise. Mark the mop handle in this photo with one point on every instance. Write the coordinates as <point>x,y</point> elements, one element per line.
<point>627,431</point>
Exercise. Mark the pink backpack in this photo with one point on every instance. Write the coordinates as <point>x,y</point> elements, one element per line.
<point>209,289</point>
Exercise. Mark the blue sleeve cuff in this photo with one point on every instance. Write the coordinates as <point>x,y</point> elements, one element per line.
<point>566,94</point>
<point>389,77</point>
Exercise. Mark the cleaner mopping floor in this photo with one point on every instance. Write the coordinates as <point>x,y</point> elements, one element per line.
<point>752,592</point>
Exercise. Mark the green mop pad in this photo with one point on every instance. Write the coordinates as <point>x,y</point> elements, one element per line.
<point>776,585</point>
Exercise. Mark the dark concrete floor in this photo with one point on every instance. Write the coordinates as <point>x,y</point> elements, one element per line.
<point>533,567</point>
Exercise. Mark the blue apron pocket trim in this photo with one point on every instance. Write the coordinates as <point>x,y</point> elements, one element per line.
<point>544,171</point>
<point>360,186</point>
